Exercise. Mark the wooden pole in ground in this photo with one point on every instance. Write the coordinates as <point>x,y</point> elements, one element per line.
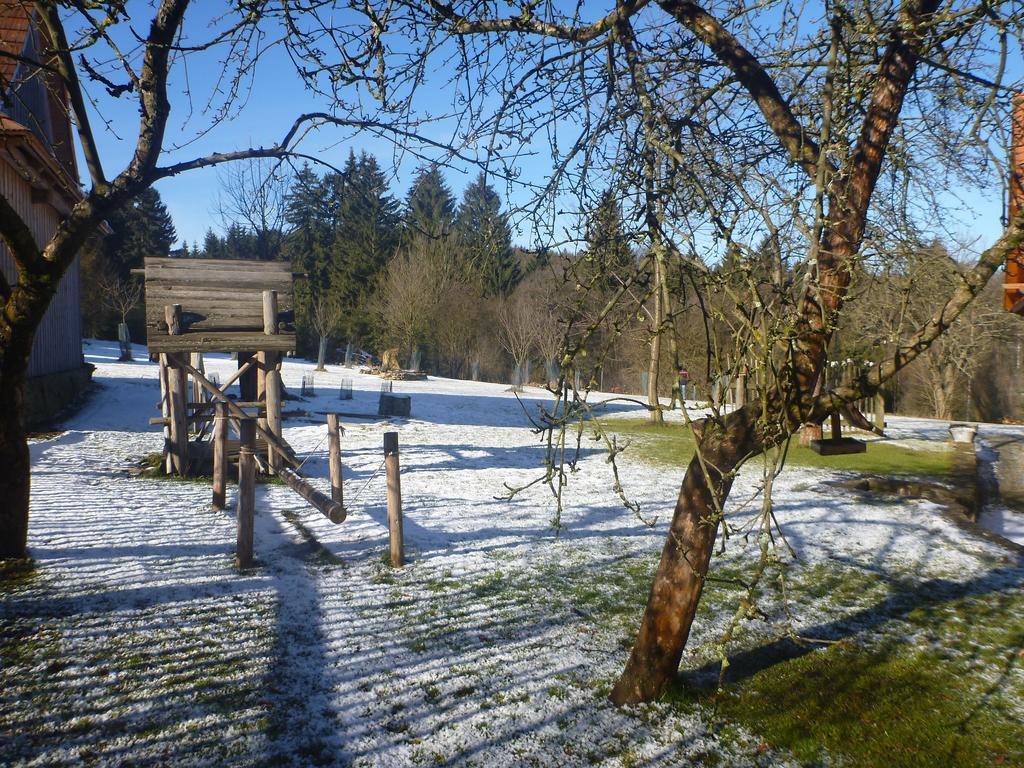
<point>177,386</point>
<point>246,492</point>
<point>394,499</point>
<point>270,364</point>
<point>879,410</point>
<point>837,431</point>
<point>165,412</point>
<point>334,454</point>
<point>220,458</point>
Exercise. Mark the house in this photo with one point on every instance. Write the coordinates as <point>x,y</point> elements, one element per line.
<point>39,178</point>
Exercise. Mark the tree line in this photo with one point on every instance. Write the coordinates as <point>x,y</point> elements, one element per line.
<point>440,280</point>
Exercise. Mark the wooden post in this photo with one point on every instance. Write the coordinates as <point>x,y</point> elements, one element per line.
<point>220,459</point>
<point>334,454</point>
<point>879,410</point>
<point>394,499</point>
<point>246,492</point>
<point>177,386</point>
<point>165,412</point>
<point>741,388</point>
<point>198,395</point>
<point>836,427</point>
<point>270,365</point>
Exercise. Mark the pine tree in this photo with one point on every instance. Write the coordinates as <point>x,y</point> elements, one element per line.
<point>213,246</point>
<point>430,206</point>
<point>142,228</point>
<point>365,237</point>
<point>310,215</point>
<point>485,238</point>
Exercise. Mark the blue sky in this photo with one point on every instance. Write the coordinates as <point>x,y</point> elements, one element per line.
<point>276,96</point>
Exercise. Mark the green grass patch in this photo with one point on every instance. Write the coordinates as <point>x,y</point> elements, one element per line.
<point>875,706</point>
<point>938,683</point>
<point>673,444</point>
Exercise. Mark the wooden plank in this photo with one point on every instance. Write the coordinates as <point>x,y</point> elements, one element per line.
<point>838,447</point>
<point>226,341</point>
<point>166,262</point>
<point>225,285</point>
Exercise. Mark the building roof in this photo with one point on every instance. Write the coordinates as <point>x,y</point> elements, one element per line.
<point>14,29</point>
<point>35,127</point>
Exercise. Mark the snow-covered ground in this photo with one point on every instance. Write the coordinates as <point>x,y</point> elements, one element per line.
<point>148,646</point>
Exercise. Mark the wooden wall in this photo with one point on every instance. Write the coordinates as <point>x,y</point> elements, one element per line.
<point>58,342</point>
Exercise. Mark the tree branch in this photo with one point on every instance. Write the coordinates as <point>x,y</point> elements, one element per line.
<point>66,68</point>
<point>155,107</point>
<point>797,142</point>
<point>526,23</point>
<point>18,237</point>
<point>971,284</point>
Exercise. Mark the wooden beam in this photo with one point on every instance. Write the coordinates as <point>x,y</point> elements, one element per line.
<point>334,458</point>
<point>246,504</point>
<point>227,341</point>
<point>331,509</point>
<point>272,375</point>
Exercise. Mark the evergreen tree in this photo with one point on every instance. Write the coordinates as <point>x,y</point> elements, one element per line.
<point>213,246</point>
<point>239,243</point>
<point>485,238</point>
<point>141,228</point>
<point>365,238</point>
<point>430,207</point>
<point>309,213</point>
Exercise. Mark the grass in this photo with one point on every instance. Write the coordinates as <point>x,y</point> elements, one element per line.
<point>673,444</point>
<point>937,681</point>
<point>885,705</point>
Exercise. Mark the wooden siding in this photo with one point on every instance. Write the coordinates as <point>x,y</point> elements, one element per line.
<point>58,342</point>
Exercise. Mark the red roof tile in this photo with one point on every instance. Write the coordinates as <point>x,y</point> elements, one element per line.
<point>14,25</point>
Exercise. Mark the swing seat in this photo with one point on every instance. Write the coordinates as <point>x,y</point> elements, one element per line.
<point>838,446</point>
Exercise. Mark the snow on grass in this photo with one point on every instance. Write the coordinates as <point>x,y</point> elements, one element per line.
<point>134,639</point>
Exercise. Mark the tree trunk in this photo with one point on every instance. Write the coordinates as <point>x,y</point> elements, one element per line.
<point>15,462</point>
<point>321,354</point>
<point>675,594</point>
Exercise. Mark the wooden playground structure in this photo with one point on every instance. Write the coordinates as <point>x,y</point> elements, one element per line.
<point>243,307</point>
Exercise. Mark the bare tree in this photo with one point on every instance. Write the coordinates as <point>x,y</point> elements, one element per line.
<point>518,328</point>
<point>325,316</point>
<point>253,193</point>
<point>724,127</point>
<point>122,297</point>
